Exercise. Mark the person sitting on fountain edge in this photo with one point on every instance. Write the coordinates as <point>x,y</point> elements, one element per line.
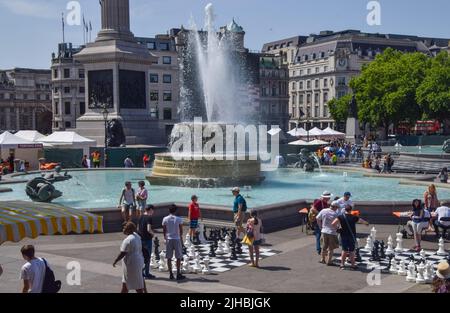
<point>239,209</point>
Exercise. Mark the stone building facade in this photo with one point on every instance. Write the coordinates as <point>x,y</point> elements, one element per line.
<point>25,100</point>
<point>68,88</point>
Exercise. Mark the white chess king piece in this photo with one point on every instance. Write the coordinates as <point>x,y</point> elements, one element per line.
<point>411,277</point>
<point>201,229</point>
<point>441,245</point>
<point>399,240</point>
<point>373,234</point>
<point>369,243</point>
<point>394,266</point>
<point>206,270</point>
<point>390,246</point>
<point>402,268</point>
<point>420,274</point>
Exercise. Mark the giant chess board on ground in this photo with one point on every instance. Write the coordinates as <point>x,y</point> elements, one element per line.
<point>419,267</point>
<point>218,252</point>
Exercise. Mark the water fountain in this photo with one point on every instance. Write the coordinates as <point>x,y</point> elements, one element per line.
<point>212,87</point>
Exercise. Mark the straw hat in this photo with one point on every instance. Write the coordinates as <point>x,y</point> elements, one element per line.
<point>443,270</point>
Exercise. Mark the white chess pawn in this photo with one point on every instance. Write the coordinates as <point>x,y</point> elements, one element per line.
<point>373,234</point>
<point>423,254</point>
<point>162,262</point>
<point>411,277</point>
<point>441,245</point>
<point>369,243</point>
<point>394,266</point>
<point>390,246</point>
<point>220,248</point>
<point>402,268</point>
<point>399,239</point>
<point>206,270</point>
<point>420,274</point>
<point>197,266</point>
<point>428,276</point>
<point>153,263</point>
<point>185,266</point>
<point>187,241</point>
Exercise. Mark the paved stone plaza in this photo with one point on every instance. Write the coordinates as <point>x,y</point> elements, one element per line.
<point>296,269</point>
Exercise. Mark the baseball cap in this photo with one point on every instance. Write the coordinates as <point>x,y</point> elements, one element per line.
<point>347,194</point>
<point>236,189</point>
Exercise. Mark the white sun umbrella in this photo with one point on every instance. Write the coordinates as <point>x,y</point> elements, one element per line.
<point>298,132</point>
<point>274,131</point>
<point>315,132</point>
<point>317,143</point>
<point>333,133</point>
<point>299,143</point>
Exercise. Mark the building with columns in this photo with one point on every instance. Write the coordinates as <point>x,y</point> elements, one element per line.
<point>68,88</point>
<point>321,67</point>
<point>25,100</point>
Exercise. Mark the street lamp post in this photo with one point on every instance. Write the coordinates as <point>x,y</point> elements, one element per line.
<point>105,114</point>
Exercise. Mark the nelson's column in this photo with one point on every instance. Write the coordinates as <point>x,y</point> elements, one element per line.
<point>117,68</point>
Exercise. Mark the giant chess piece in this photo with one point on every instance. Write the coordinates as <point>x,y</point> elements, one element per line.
<point>156,244</point>
<point>219,249</point>
<point>202,233</point>
<point>206,270</point>
<point>369,243</point>
<point>185,265</point>
<point>423,254</point>
<point>411,277</point>
<point>162,262</point>
<point>393,268</point>
<point>197,265</point>
<point>227,244</point>
<point>187,241</point>
<point>191,253</point>
<point>239,247</point>
<point>420,273</point>
<point>373,234</point>
<point>233,256</point>
<point>382,250</point>
<point>212,252</point>
<point>428,274</point>
<point>441,245</point>
<point>390,246</point>
<point>399,247</point>
<point>358,258</point>
<point>402,268</point>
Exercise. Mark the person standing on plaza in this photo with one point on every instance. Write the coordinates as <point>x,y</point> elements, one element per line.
<point>254,230</point>
<point>330,240</point>
<point>194,214</point>
<point>96,156</point>
<point>420,219</point>
<point>347,223</point>
<point>345,201</point>
<point>132,260</point>
<point>146,160</point>
<point>128,162</point>
<point>10,161</point>
<point>431,202</point>
<point>146,232</point>
<point>84,162</point>
<point>33,272</point>
<point>127,202</point>
<point>173,232</point>
<point>443,176</point>
<point>239,209</point>
<point>141,198</point>
<point>317,206</point>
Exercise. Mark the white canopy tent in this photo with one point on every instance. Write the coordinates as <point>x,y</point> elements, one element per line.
<point>333,133</point>
<point>31,135</point>
<point>316,132</point>
<point>318,143</point>
<point>299,143</point>
<point>23,149</point>
<point>298,132</point>
<point>274,131</point>
<point>69,140</point>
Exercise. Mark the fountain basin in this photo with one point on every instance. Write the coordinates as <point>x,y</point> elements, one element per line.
<point>202,172</point>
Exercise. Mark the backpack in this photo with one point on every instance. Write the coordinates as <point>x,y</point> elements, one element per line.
<point>50,284</point>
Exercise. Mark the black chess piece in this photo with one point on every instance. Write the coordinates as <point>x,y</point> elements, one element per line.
<point>233,256</point>
<point>412,258</point>
<point>375,255</point>
<point>391,256</point>
<point>212,252</point>
<point>184,249</point>
<point>358,255</point>
<point>156,244</point>
<point>238,246</point>
<point>233,235</point>
<point>382,250</point>
<point>205,233</point>
<point>197,238</point>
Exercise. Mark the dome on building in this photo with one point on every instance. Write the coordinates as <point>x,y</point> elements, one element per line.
<point>234,27</point>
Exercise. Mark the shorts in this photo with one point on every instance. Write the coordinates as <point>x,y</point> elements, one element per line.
<point>348,244</point>
<point>419,227</point>
<point>193,224</point>
<point>238,220</point>
<point>127,207</point>
<point>141,204</point>
<point>174,245</point>
<point>257,243</point>
<point>329,242</point>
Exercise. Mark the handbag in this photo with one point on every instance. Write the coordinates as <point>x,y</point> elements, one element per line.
<point>248,241</point>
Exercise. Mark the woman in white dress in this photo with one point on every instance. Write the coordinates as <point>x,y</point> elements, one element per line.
<point>132,260</point>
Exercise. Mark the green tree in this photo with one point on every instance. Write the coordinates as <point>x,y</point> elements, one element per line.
<point>386,89</point>
<point>339,107</point>
<point>433,94</point>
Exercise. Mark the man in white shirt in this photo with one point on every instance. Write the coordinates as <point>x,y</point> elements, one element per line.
<point>33,272</point>
<point>329,232</point>
<point>344,202</point>
<point>173,232</point>
<point>441,219</point>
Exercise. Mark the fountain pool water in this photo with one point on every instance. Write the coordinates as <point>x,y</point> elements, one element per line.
<point>432,150</point>
<point>279,186</point>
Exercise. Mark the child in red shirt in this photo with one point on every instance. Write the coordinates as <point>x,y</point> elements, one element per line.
<point>194,215</point>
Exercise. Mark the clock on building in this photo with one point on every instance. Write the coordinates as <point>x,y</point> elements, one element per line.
<point>342,63</point>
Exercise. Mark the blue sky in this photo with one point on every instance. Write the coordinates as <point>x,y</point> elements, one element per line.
<point>31,29</point>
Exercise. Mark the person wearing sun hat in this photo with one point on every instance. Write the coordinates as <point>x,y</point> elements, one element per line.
<point>441,282</point>
<point>317,206</point>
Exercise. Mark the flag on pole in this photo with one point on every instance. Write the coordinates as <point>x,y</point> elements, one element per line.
<point>63,27</point>
<point>90,26</point>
